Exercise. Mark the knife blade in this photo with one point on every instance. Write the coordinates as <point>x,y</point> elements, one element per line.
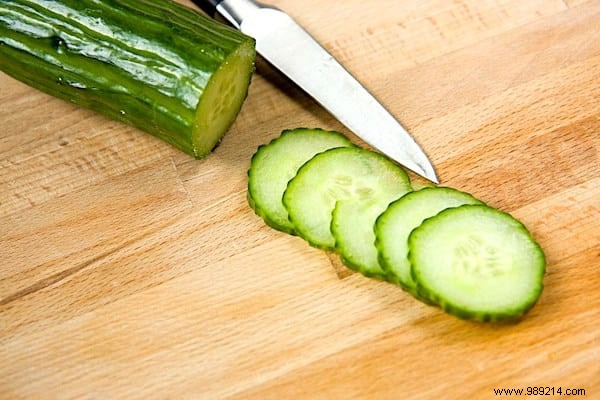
<point>291,49</point>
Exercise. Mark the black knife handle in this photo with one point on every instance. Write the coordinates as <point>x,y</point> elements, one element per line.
<point>208,6</point>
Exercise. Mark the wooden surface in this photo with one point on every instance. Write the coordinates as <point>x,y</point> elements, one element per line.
<point>129,270</point>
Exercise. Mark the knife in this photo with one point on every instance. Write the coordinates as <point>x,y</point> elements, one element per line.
<point>282,41</point>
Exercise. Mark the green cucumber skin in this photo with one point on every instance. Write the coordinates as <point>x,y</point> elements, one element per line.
<point>512,315</point>
<point>264,216</point>
<point>382,276</point>
<point>145,63</point>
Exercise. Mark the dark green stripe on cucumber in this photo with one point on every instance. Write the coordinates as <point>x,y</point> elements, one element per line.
<point>156,65</point>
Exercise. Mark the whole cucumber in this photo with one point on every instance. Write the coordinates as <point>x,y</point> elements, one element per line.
<point>154,64</point>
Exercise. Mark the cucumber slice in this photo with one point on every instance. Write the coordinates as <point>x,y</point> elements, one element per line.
<point>352,227</point>
<point>336,175</point>
<point>477,263</point>
<point>274,164</point>
<point>393,227</point>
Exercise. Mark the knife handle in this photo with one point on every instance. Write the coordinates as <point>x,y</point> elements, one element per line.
<point>208,6</point>
<point>234,11</point>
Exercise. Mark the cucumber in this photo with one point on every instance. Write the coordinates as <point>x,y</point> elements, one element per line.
<point>274,164</point>
<point>341,174</point>
<point>477,263</point>
<point>393,227</point>
<point>156,65</point>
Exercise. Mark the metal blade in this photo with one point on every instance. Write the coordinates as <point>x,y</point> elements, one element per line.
<point>283,42</point>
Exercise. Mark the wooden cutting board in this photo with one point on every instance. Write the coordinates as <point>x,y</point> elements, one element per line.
<point>129,270</point>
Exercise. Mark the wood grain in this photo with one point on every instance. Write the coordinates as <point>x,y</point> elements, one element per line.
<point>573,3</point>
<point>130,270</point>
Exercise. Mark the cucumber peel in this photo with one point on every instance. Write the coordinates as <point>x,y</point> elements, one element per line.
<point>158,65</point>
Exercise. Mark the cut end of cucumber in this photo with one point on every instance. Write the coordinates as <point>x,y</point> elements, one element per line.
<point>222,100</point>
